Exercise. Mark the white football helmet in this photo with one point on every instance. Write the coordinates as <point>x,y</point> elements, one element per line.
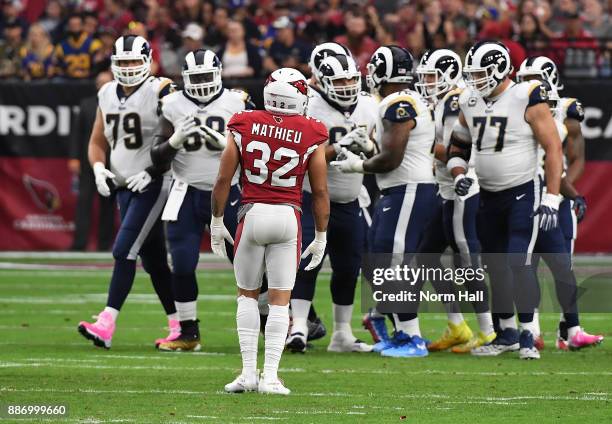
<point>202,74</point>
<point>320,52</point>
<point>286,92</point>
<point>444,66</point>
<point>541,67</point>
<point>340,67</point>
<point>487,65</point>
<point>131,48</point>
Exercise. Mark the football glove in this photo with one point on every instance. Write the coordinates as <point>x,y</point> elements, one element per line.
<point>101,174</point>
<point>580,206</point>
<point>356,141</point>
<point>316,249</point>
<point>463,184</point>
<point>218,235</point>
<point>185,128</point>
<point>139,182</point>
<point>549,211</point>
<point>348,162</point>
<point>214,137</point>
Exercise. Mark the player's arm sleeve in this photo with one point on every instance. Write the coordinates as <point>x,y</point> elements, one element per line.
<point>575,111</point>
<point>460,146</point>
<point>537,93</point>
<point>401,110</point>
<point>162,153</point>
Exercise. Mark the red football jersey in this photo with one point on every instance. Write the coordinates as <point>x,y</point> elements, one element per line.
<point>274,154</point>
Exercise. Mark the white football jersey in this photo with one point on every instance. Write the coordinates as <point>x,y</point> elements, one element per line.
<point>197,162</point>
<point>130,123</point>
<point>343,188</point>
<point>446,113</point>
<point>417,164</point>
<point>503,143</point>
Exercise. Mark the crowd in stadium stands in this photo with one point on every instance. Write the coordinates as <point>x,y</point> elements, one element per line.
<point>74,39</point>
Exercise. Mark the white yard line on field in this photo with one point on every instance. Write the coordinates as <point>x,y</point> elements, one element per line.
<point>79,299</point>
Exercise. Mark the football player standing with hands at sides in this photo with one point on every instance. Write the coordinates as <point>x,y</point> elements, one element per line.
<point>125,123</point>
<point>502,123</point>
<point>274,148</point>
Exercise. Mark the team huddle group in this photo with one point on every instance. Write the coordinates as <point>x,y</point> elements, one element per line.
<point>463,157</point>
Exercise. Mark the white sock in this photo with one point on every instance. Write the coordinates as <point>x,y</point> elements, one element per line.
<point>455,318</point>
<point>529,326</point>
<point>485,322</point>
<point>410,327</point>
<point>342,318</point>
<point>247,323</point>
<point>507,323</point>
<point>562,318</point>
<point>173,317</point>
<point>571,332</point>
<point>114,312</point>
<point>299,314</point>
<point>375,314</point>
<point>186,310</point>
<point>536,323</point>
<point>276,333</point>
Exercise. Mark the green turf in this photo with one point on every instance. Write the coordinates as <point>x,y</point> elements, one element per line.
<point>43,360</point>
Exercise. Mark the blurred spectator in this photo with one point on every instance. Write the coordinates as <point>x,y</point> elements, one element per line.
<point>438,32</point>
<point>318,26</point>
<point>356,39</point>
<point>74,55</point>
<point>10,62</point>
<point>90,23</point>
<point>240,58</point>
<point>286,51</point>
<point>241,14</point>
<point>502,31</point>
<point>403,22</point>
<point>78,165</point>
<point>188,11</point>
<point>37,54</point>
<point>575,35</point>
<point>102,60</point>
<point>52,19</point>
<point>563,8</point>
<point>116,15</point>
<point>173,60</point>
<point>11,15</point>
<point>596,21</point>
<point>216,33</point>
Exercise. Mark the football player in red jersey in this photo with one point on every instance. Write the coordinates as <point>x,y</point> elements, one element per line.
<point>274,148</point>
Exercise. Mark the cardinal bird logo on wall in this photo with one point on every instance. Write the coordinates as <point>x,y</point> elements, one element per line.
<point>43,193</point>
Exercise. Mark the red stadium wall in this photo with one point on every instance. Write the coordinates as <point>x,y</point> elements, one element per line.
<point>38,201</point>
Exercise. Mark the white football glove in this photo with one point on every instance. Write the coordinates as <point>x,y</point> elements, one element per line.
<point>139,182</point>
<point>358,140</point>
<point>101,174</point>
<point>348,162</point>
<point>184,129</point>
<point>218,235</point>
<point>214,137</point>
<point>317,249</point>
<point>549,211</point>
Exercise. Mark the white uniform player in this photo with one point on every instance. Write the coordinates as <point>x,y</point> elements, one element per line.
<point>348,116</point>
<point>193,125</point>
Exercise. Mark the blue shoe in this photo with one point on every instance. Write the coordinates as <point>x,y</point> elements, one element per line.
<point>415,348</point>
<point>527,349</point>
<point>382,345</point>
<point>376,326</point>
<point>506,341</point>
<point>399,338</point>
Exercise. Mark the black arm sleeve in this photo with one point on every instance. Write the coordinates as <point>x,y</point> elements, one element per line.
<point>465,151</point>
<point>162,152</point>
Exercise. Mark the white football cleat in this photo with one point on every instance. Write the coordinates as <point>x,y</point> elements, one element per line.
<point>343,342</point>
<point>243,384</point>
<point>272,387</point>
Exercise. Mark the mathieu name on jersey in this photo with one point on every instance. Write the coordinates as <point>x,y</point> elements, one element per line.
<point>274,154</point>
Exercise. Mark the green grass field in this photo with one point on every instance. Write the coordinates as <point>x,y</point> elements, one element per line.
<point>43,360</point>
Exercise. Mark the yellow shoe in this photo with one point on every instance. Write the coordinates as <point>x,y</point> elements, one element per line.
<point>475,342</point>
<point>181,345</point>
<point>453,335</point>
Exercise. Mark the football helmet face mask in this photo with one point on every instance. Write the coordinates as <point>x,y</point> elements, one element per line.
<point>202,75</point>
<point>438,72</point>
<point>320,52</point>
<point>390,64</point>
<point>286,92</point>
<point>487,64</point>
<point>340,79</point>
<point>541,67</point>
<point>131,60</point>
